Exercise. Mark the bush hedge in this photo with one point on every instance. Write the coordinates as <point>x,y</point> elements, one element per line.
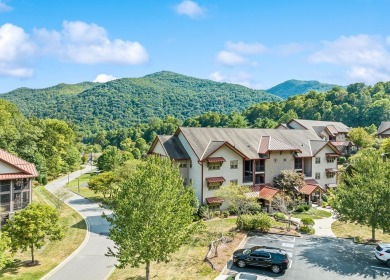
<point>307,221</point>
<point>307,230</point>
<point>259,221</point>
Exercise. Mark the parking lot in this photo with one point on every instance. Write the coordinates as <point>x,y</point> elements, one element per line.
<point>319,258</point>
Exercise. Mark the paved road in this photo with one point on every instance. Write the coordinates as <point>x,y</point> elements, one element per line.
<point>319,258</point>
<point>88,262</point>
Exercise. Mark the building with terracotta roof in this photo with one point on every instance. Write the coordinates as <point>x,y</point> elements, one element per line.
<point>209,158</point>
<point>16,176</point>
<point>334,132</point>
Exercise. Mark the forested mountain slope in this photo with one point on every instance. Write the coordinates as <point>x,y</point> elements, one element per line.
<point>128,101</point>
<point>294,87</point>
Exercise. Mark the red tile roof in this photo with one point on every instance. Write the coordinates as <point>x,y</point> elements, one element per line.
<point>215,180</point>
<point>214,200</point>
<point>309,189</point>
<point>265,191</point>
<point>268,193</point>
<point>311,182</point>
<point>215,159</point>
<point>27,169</point>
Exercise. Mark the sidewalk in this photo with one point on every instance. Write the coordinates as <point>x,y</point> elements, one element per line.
<point>88,261</point>
<point>323,227</point>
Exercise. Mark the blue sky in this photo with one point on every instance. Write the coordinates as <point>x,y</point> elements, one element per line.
<point>256,43</point>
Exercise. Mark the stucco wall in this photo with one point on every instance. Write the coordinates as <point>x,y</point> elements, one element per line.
<point>5,168</point>
<point>224,171</point>
<point>158,149</point>
<point>322,166</point>
<point>277,162</point>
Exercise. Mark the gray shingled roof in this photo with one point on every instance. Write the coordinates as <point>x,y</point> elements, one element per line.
<point>247,140</point>
<point>173,147</point>
<point>383,127</point>
<point>320,125</point>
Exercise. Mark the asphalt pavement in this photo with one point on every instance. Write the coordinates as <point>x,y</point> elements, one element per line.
<point>88,262</point>
<point>319,258</point>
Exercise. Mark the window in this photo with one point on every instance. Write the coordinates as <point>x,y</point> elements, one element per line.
<point>234,164</point>
<point>318,160</point>
<point>234,182</point>
<point>183,165</point>
<point>214,207</point>
<point>330,174</point>
<point>5,186</point>
<point>214,166</point>
<point>214,186</point>
<point>318,175</point>
<point>330,159</point>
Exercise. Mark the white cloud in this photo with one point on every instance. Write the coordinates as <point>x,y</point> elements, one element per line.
<point>190,8</point>
<point>245,48</point>
<point>102,78</point>
<point>388,40</point>
<point>16,49</point>
<point>365,57</point>
<point>290,48</point>
<point>230,58</point>
<point>216,76</point>
<point>85,43</point>
<point>4,7</point>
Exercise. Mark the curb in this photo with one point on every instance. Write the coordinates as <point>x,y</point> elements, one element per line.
<point>82,245</point>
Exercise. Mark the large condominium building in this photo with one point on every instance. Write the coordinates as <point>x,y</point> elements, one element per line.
<point>211,157</point>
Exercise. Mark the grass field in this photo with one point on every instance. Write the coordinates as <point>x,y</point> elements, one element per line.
<point>52,253</point>
<point>341,229</point>
<point>313,213</point>
<point>80,186</point>
<point>188,262</point>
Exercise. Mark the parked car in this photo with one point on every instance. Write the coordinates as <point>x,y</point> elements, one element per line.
<point>274,258</point>
<point>382,253</point>
<point>241,276</point>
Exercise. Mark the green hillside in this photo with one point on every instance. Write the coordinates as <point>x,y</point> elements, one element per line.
<point>128,101</point>
<point>294,87</point>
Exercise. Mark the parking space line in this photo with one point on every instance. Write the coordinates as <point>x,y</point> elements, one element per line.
<point>290,264</point>
<point>277,237</point>
<point>289,245</point>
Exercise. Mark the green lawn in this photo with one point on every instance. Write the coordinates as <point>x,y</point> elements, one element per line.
<point>80,186</point>
<point>187,263</point>
<point>53,252</point>
<point>313,213</point>
<point>345,230</point>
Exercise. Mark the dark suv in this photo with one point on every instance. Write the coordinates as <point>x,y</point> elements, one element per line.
<point>274,258</point>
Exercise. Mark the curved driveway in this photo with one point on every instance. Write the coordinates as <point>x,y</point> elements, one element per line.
<point>88,262</point>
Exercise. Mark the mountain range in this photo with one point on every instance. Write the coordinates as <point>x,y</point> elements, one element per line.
<point>294,87</point>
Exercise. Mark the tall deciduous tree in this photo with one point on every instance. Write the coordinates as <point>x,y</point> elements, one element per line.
<point>289,181</point>
<point>364,193</point>
<point>5,255</point>
<point>360,137</point>
<point>30,228</point>
<point>152,214</point>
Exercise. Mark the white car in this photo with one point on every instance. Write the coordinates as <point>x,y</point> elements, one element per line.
<point>241,276</point>
<point>382,253</point>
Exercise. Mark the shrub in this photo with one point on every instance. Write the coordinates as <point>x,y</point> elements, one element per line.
<point>302,208</point>
<point>232,210</point>
<point>342,160</point>
<point>325,198</point>
<point>324,204</point>
<point>250,222</point>
<point>280,216</point>
<point>307,230</point>
<point>225,214</point>
<point>307,221</point>
<point>217,213</point>
<point>205,213</point>
<point>255,208</point>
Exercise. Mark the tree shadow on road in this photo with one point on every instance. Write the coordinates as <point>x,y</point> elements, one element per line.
<point>341,256</point>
